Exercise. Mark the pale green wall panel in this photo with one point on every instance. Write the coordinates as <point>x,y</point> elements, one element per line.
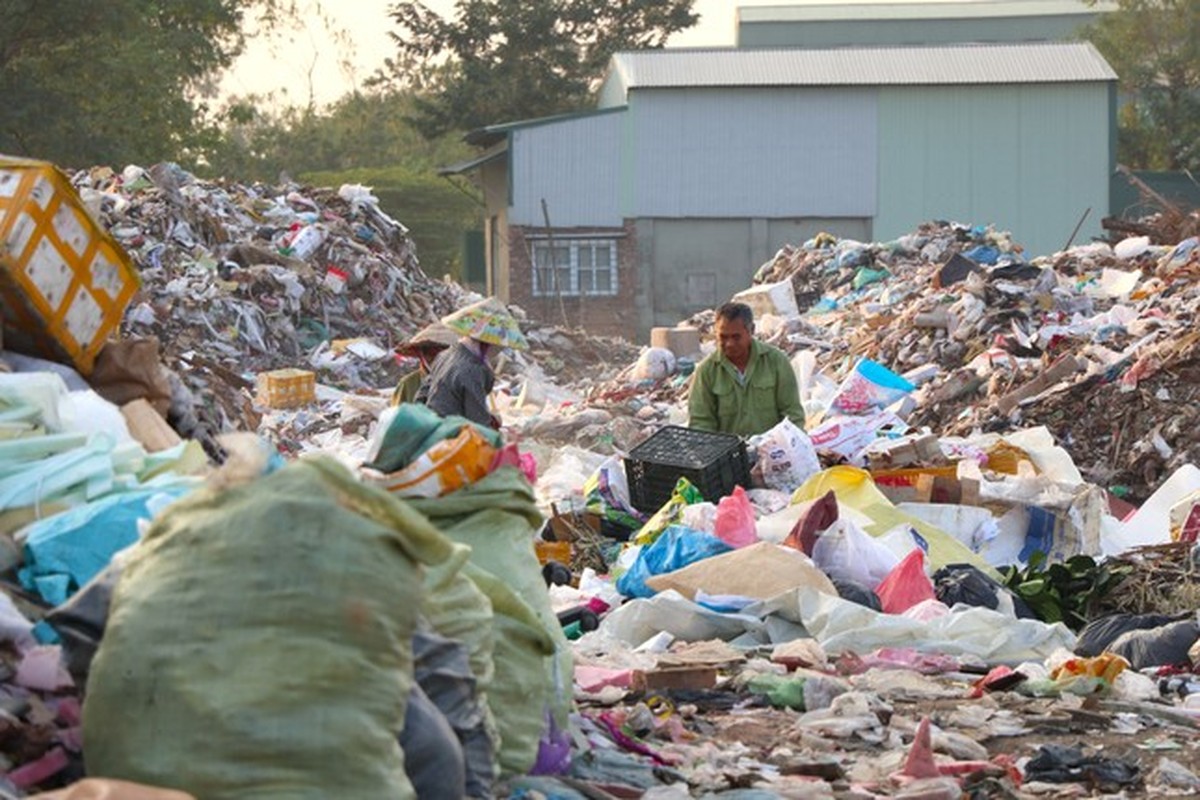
<point>1029,159</point>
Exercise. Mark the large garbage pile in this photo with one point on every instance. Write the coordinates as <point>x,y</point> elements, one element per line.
<point>938,587</point>
<point>949,557</point>
<point>1096,343</point>
<point>239,279</point>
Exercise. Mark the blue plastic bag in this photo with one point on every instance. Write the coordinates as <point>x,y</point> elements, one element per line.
<point>677,547</point>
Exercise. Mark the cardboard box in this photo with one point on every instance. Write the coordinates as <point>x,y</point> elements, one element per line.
<point>148,427</point>
<point>64,281</point>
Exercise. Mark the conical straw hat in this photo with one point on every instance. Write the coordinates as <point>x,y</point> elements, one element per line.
<point>433,334</point>
<point>487,321</point>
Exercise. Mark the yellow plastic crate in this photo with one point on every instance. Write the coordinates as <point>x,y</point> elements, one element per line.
<point>553,551</point>
<point>287,388</point>
<point>64,281</point>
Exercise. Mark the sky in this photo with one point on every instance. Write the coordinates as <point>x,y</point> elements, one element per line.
<point>343,41</point>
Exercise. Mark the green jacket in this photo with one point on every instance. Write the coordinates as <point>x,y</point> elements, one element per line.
<point>719,402</point>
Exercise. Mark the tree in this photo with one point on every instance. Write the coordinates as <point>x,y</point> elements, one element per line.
<point>360,131</point>
<point>1154,46</point>
<point>118,81</point>
<point>517,59</point>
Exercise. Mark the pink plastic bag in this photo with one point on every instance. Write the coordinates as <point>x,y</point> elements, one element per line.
<point>906,585</point>
<point>511,456</point>
<point>735,520</point>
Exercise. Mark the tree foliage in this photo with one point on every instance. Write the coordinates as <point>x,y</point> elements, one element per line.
<point>501,60</point>
<point>1154,46</point>
<point>86,82</point>
<point>362,130</point>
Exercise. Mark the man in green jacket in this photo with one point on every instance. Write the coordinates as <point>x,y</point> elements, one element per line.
<point>747,387</point>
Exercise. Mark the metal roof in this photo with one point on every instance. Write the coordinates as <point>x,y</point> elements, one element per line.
<point>975,9</point>
<point>490,134</point>
<point>494,153</point>
<point>854,66</point>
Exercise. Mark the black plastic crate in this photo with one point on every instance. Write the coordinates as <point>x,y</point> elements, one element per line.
<point>714,462</point>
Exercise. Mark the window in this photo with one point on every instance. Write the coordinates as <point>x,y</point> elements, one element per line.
<point>574,267</point>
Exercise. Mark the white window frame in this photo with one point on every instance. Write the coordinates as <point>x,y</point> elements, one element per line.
<point>572,289</point>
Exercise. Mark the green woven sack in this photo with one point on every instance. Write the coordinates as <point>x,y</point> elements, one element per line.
<point>258,644</point>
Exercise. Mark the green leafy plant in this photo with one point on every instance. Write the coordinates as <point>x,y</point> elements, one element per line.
<point>1066,592</point>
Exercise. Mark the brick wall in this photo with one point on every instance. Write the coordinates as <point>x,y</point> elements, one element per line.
<point>608,315</point>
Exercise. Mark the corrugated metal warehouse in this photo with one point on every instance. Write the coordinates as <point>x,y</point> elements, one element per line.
<point>699,164</point>
<point>884,24</point>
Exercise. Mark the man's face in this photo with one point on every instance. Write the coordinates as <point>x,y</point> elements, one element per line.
<point>733,337</point>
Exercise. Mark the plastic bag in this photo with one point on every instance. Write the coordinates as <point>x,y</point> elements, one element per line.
<point>700,517</point>
<point>446,467</point>
<point>639,620</point>
<point>654,364</point>
<point>818,515</point>
<point>846,552</point>
<point>787,457</point>
<point>607,495</point>
<point>735,519</point>
<point>671,513</point>
<point>433,756</point>
<point>511,456</point>
<point>1166,646</point>
<point>841,626</point>
<point>968,585</point>
<point>870,386</point>
<point>1099,634</point>
<point>674,549</point>
<point>847,436</point>
<point>857,593</point>
<point>406,431</point>
<point>65,551</point>
<point>446,678</point>
<point>906,585</point>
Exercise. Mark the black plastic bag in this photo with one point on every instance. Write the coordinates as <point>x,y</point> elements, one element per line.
<point>443,671</point>
<point>433,757</point>
<point>81,620</point>
<point>1099,634</point>
<point>857,593</point>
<point>1156,647</point>
<point>966,584</point>
<point>1056,763</point>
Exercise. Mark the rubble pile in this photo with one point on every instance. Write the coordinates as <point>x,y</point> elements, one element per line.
<point>576,358</point>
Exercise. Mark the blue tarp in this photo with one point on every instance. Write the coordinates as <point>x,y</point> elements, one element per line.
<point>65,551</point>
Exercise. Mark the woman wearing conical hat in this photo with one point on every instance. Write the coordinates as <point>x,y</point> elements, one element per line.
<point>425,346</point>
<point>461,377</point>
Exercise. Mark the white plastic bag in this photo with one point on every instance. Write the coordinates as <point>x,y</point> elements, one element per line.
<point>847,552</point>
<point>701,517</point>
<point>787,457</point>
<point>654,364</point>
<point>869,387</point>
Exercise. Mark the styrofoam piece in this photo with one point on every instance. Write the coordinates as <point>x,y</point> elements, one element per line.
<point>1151,524</point>
<point>771,298</point>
